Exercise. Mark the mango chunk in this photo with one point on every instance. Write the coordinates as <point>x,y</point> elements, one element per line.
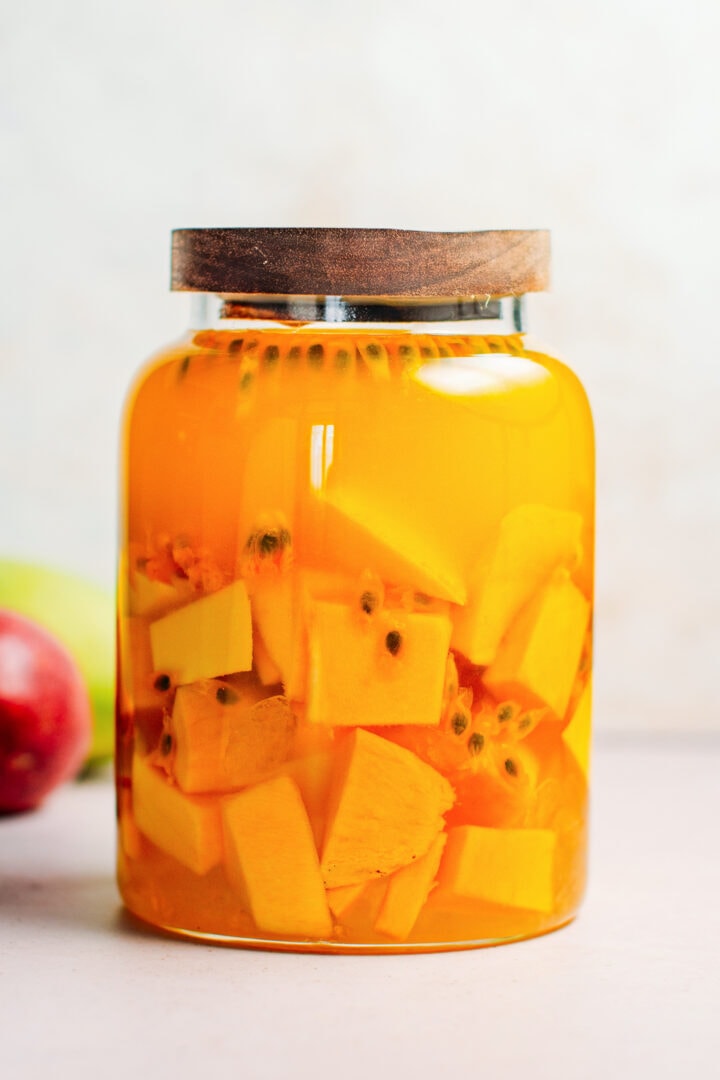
<point>313,775</point>
<point>340,900</point>
<point>183,826</point>
<point>407,891</point>
<point>274,603</point>
<point>152,598</point>
<point>538,658</point>
<point>357,532</point>
<point>356,907</point>
<point>225,735</point>
<point>578,731</point>
<point>140,683</point>
<point>272,861</point>
<point>531,542</point>
<point>210,637</point>
<point>389,670</point>
<point>264,666</point>
<point>385,810</point>
<point>513,867</point>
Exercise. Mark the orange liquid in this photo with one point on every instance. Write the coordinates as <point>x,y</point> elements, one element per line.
<point>397,531</point>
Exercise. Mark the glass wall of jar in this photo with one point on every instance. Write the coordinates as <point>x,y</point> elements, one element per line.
<point>355,624</point>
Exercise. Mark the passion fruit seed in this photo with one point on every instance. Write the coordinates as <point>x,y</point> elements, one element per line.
<point>271,355</point>
<point>393,641</point>
<point>369,602</point>
<point>426,352</point>
<point>246,381</point>
<point>225,695</point>
<point>372,350</point>
<point>166,744</point>
<point>184,366</point>
<point>476,742</point>
<point>294,354</point>
<point>235,346</point>
<point>316,355</point>
<point>162,683</point>
<point>406,351</point>
<point>459,723</point>
<point>505,713</point>
<point>510,767</point>
<point>342,358</point>
<point>524,722</point>
<point>268,541</point>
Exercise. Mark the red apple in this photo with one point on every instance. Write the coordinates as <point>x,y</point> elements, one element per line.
<point>45,715</point>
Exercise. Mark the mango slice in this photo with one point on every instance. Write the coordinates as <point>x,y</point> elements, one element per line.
<point>358,532</point>
<point>539,656</point>
<point>154,598</point>
<point>272,861</point>
<point>578,731</point>
<point>385,810</point>
<point>210,637</point>
<point>513,867</point>
<point>183,826</point>
<point>225,735</point>
<point>313,775</point>
<point>356,907</point>
<point>531,542</point>
<point>368,671</point>
<point>141,686</point>
<point>264,666</point>
<point>340,900</point>
<point>274,603</point>
<point>407,891</point>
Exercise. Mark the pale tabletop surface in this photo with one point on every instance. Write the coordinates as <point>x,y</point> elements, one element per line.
<point>632,989</point>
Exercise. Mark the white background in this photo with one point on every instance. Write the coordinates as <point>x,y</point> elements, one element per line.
<point>122,121</point>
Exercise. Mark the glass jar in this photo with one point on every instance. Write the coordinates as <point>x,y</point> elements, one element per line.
<point>355,599</point>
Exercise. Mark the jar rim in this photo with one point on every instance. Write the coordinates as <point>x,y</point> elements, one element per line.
<point>360,262</point>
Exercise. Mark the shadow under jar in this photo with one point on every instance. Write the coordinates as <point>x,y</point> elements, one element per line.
<point>355,597</point>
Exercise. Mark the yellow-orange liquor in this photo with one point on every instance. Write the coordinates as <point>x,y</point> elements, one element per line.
<point>355,630</point>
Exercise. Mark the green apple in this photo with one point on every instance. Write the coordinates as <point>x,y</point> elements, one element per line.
<point>82,616</point>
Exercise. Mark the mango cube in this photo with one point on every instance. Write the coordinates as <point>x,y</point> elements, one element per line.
<point>183,826</point>
<point>274,603</point>
<point>340,900</point>
<point>407,891</point>
<point>226,735</point>
<point>360,532</point>
<point>385,810</point>
<point>375,671</point>
<point>210,637</point>
<point>531,542</point>
<point>513,867</point>
<point>272,861</point>
<point>264,666</point>
<point>538,658</point>
<point>152,598</point>
<point>356,907</point>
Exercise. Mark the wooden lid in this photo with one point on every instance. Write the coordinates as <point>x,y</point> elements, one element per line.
<point>360,262</point>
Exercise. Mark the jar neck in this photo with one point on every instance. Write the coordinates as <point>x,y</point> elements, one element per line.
<point>466,315</point>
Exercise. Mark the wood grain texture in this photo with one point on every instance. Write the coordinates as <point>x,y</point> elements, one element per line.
<point>360,262</point>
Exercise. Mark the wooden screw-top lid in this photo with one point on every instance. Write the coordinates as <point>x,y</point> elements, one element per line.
<point>360,262</point>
